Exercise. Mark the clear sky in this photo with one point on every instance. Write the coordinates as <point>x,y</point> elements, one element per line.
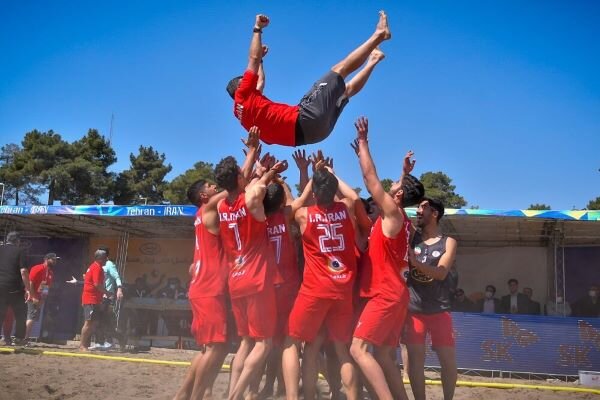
<point>503,96</point>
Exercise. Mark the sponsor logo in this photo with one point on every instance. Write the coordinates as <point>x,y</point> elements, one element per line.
<point>150,248</point>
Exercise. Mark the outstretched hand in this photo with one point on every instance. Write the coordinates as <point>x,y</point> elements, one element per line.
<point>252,142</point>
<point>354,145</point>
<point>264,164</point>
<point>362,128</point>
<point>409,164</point>
<point>280,166</point>
<point>261,21</point>
<point>265,50</point>
<point>302,162</point>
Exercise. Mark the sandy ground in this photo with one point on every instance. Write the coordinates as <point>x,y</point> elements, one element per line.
<point>26,376</point>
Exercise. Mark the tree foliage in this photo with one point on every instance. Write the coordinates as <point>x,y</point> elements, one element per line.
<point>18,187</point>
<point>539,206</point>
<point>387,184</point>
<point>144,179</point>
<point>594,204</point>
<point>439,185</point>
<point>176,191</point>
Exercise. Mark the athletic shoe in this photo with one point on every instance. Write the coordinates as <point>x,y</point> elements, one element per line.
<point>107,345</point>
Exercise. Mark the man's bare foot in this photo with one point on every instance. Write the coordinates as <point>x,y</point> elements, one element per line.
<point>84,350</point>
<point>376,56</point>
<point>383,27</point>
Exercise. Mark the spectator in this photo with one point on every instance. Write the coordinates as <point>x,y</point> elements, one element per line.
<point>173,290</point>
<point>515,302</point>
<point>41,277</point>
<point>558,307</point>
<point>143,289</point>
<point>489,304</point>
<point>588,306</point>
<point>462,303</point>
<point>107,325</point>
<point>534,306</point>
<point>14,284</point>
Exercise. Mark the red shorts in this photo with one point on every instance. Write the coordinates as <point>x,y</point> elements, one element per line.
<point>381,321</point>
<point>439,326</point>
<point>310,313</point>
<point>256,314</point>
<point>285,295</point>
<point>209,323</point>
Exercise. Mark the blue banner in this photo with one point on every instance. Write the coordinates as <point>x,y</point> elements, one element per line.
<point>524,343</point>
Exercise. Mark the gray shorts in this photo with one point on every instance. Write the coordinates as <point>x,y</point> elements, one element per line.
<point>93,312</point>
<point>320,108</point>
<point>33,311</point>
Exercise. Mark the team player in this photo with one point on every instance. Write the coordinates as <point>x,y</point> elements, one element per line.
<point>313,119</point>
<point>430,280</point>
<point>381,321</point>
<point>208,287</point>
<point>41,278</point>
<point>252,269</point>
<point>325,296</point>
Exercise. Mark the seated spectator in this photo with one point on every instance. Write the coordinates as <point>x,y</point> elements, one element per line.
<point>142,289</point>
<point>588,306</point>
<point>490,304</point>
<point>173,290</point>
<point>462,303</point>
<point>534,306</point>
<point>558,307</point>
<point>514,302</point>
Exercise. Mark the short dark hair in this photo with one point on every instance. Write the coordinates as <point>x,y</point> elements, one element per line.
<point>274,197</point>
<point>412,191</point>
<point>193,192</point>
<point>232,85</point>
<point>104,249</point>
<point>491,287</point>
<point>226,173</point>
<point>366,205</point>
<point>513,280</point>
<point>324,186</point>
<point>437,205</point>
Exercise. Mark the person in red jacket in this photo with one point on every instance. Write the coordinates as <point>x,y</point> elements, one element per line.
<point>41,277</point>
<point>313,119</point>
<point>91,298</point>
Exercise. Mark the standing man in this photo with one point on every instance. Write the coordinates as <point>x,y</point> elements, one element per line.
<point>41,278</point>
<point>325,296</point>
<point>489,304</point>
<point>314,118</point>
<point>14,284</point>
<point>429,282</point>
<point>514,302</point>
<point>380,323</point>
<point>252,269</point>
<point>113,284</point>
<point>91,298</point>
<point>534,306</point>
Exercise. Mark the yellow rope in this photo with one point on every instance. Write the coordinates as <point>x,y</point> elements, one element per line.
<point>227,367</point>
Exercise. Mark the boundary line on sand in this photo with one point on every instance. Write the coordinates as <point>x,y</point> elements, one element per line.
<point>227,367</point>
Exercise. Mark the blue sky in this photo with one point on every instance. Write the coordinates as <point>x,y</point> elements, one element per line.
<point>502,96</point>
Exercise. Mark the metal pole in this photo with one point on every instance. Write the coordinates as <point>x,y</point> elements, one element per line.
<point>2,197</point>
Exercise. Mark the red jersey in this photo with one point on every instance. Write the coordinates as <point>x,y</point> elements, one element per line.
<point>283,249</point>
<point>389,257</point>
<point>276,121</point>
<point>329,257</point>
<point>365,274</point>
<point>246,245</point>
<point>93,276</point>
<point>209,273</point>
<point>41,278</point>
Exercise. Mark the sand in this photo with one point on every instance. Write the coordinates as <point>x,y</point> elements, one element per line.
<point>26,376</point>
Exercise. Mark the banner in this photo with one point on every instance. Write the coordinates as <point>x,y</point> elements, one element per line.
<point>522,343</point>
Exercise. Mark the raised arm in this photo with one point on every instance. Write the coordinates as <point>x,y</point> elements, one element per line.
<point>256,48</point>
<point>255,193</point>
<point>210,215</point>
<point>302,163</point>
<point>385,202</point>
<point>252,152</point>
<point>260,85</point>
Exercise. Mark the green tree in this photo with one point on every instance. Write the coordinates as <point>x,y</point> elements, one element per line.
<point>17,185</point>
<point>176,191</point>
<point>594,204</point>
<point>144,179</point>
<point>439,185</point>
<point>539,206</point>
<point>387,184</point>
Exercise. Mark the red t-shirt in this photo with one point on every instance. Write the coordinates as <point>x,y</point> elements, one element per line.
<point>209,273</point>
<point>365,274</point>
<point>41,277</point>
<point>329,257</point>
<point>246,245</point>
<point>276,121</point>
<point>283,249</point>
<point>93,276</point>
<point>389,257</point>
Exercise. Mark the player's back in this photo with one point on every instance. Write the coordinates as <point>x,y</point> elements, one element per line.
<point>283,247</point>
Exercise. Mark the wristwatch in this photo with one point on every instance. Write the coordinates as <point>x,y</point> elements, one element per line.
<point>257,30</point>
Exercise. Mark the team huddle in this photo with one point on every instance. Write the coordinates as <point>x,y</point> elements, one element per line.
<point>326,269</point>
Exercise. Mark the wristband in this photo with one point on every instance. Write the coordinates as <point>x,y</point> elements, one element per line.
<point>257,30</point>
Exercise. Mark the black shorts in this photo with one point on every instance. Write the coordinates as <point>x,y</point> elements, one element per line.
<point>93,312</point>
<point>33,311</point>
<point>320,109</point>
